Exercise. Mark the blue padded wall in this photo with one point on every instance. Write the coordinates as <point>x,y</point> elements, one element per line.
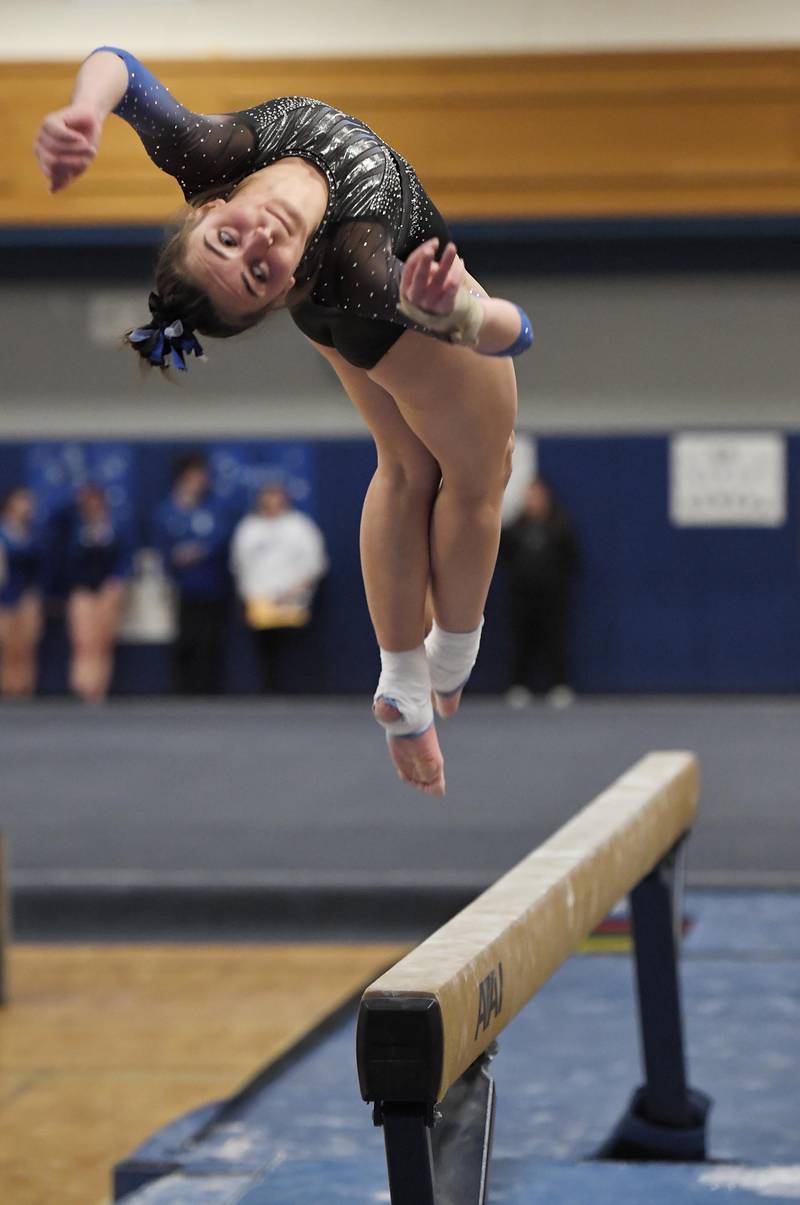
<point>661,608</point>
<point>657,608</point>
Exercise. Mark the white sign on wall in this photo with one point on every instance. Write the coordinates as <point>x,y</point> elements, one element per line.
<point>728,479</point>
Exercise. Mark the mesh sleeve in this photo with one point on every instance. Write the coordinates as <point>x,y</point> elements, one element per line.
<point>200,152</point>
<point>362,275</point>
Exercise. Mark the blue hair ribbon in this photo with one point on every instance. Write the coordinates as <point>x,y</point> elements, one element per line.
<point>163,342</point>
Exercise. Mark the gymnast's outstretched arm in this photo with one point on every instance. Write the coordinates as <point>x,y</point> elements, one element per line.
<point>197,150</point>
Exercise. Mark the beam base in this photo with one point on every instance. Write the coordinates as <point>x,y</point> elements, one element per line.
<point>638,1139</point>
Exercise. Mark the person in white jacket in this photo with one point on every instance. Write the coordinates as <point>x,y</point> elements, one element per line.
<point>277,558</point>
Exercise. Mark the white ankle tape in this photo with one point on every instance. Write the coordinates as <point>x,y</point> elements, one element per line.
<point>405,682</point>
<point>451,656</point>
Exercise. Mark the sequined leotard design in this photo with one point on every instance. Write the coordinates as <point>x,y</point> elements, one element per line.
<point>377,212</point>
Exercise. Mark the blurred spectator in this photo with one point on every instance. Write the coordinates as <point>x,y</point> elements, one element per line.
<point>277,557</point>
<point>540,550</point>
<point>20,594</point>
<point>99,559</point>
<point>192,531</point>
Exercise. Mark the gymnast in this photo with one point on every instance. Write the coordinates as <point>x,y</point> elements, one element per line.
<point>21,573</point>
<point>293,203</point>
<point>99,563</point>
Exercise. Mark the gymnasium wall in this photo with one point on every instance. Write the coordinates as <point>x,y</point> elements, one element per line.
<point>631,176</point>
<point>493,137</point>
<point>55,29</point>
<point>614,351</point>
<point>658,607</point>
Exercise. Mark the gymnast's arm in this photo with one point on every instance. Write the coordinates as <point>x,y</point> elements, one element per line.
<point>67,140</point>
<point>366,279</point>
<point>199,151</point>
<point>440,296</point>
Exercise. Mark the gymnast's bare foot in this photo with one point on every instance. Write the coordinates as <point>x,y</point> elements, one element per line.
<point>417,759</point>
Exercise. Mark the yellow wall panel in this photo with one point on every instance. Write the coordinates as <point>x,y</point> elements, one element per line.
<point>523,136</point>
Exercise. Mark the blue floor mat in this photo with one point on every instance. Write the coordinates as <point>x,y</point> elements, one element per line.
<point>565,1071</point>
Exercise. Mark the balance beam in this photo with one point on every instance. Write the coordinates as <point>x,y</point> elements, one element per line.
<point>428,1021</point>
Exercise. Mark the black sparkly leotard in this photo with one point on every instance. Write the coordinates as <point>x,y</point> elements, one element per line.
<point>377,212</point>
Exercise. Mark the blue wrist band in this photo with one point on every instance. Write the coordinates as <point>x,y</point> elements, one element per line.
<point>523,340</point>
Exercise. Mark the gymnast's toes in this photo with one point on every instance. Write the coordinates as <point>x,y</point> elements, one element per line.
<point>419,762</point>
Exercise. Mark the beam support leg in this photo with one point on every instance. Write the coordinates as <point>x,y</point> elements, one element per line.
<point>409,1153</point>
<point>657,922</point>
<point>666,1119</point>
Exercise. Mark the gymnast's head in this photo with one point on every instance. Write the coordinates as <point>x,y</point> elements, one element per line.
<point>231,262</point>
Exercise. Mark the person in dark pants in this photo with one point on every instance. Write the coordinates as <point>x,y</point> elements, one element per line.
<point>540,550</point>
<point>192,532</point>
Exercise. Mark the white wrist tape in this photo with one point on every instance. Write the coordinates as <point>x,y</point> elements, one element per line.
<point>463,324</point>
<point>405,682</point>
<point>451,656</point>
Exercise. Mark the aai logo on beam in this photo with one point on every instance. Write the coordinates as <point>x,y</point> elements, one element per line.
<point>490,1002</point>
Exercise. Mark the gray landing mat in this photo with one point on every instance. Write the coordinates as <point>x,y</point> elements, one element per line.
<point>253,805</point>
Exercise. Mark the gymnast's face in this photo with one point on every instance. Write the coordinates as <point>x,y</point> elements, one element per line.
<point>243,254</point>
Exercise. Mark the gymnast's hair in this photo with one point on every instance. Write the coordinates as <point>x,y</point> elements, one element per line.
<point>179,308</point>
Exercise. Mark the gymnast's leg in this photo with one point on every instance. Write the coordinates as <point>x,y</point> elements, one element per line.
<point>395,559</point>
<point>20,631</point>
<point>462,407</point>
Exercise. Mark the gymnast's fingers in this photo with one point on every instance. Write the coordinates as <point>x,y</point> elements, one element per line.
<point>455,277</point>
<point>410,270</point>
<point>61,183</point>
<point>48,162</point>
<point>448,268</point>
<point>41,159</point>
<point>448,259</point>
<point>54,126</point>
<point>416,270</point>
<point>62,167</point>
<point>63,173</point>
<point>420,261</point>
<point>68,146</point>
<point>442,290</point>
<point>79,160</point>
<point>55,160</point>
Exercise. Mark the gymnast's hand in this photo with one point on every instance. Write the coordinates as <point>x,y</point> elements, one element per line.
<point>67,142</point>
<point>429,284</point>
